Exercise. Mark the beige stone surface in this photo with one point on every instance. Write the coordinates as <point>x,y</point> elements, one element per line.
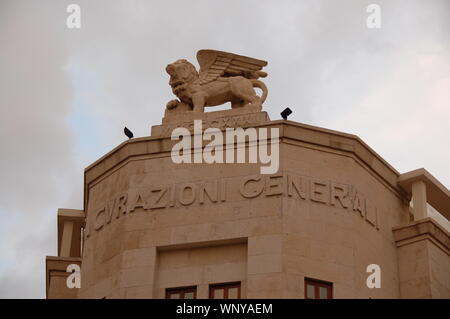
<point>220,263</point>
<point>333,208</point>
<point>56,277</point>
<point>423,257</point>
<point>286,235</point>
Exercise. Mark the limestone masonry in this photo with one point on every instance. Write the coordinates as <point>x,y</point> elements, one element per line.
<point>335,220</point>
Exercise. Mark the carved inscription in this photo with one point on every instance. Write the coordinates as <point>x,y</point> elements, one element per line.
<point>221,123</point>
<point>323,192</point>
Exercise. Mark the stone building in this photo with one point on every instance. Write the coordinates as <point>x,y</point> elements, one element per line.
<point>333,215</point>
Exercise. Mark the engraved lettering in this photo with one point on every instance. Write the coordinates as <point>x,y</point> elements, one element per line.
<point>99,218</point>
<point>340,193</point>
<point>210,192</point>
<point>274,185</point>
<point>319,191</point>
<point>248,191</point>
<point>190,197</point>
<point>298,184</point>
<point>158,203</point>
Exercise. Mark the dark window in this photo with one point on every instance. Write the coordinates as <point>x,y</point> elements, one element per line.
<point>318,289</point>
<point>225,291</point>
<point>181,293</point>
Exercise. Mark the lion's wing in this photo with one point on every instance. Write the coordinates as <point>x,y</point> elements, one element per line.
<point>214,64</point>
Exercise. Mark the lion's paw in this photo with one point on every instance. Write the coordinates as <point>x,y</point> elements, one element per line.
<point>172,104</point>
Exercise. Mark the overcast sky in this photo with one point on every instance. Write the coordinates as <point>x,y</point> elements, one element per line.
<point>66,94</point>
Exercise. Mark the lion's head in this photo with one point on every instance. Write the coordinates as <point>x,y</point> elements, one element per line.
<point>182,73</point>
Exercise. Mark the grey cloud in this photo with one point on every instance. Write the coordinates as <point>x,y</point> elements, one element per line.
<point>36,161</point>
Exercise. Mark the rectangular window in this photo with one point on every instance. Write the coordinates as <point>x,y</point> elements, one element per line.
<point>318,289</point>
<point>181,293</point>
<point>225,291</point>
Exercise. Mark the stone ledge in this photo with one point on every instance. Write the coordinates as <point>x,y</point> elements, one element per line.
<point>57,267</point>
<point>422,229</point>
<point>289,132</point>
<point>78,218</point>
<point>171,117</point>
<point>437,194</point>
<point>244,117</point>
<point>203,244</point>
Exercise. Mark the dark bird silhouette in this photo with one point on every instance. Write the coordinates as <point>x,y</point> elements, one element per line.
<point>128,133</point>
<point>286,112</point>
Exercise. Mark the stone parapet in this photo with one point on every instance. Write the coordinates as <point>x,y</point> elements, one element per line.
<point>56,277</point>
<point>242,117</point>
<point>423,252</point>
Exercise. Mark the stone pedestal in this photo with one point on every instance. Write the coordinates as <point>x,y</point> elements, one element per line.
<point>423,249</point>
<point>239,117</point>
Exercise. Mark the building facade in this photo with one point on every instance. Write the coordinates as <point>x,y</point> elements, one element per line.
<point>152,228</point>
<point>332,220</point>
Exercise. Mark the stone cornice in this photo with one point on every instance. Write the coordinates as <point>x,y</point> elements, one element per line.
<point>422,229</point>
<point>290,132</point>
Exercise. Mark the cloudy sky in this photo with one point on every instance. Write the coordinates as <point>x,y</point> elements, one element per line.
<point>65,94</point>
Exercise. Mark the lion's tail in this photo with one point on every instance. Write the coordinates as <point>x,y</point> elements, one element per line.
<point>263,87</point>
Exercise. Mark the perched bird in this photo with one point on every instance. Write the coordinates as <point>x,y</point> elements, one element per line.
<point>128,133</point>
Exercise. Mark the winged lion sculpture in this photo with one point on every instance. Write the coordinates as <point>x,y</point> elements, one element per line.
<point>223,77</point>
